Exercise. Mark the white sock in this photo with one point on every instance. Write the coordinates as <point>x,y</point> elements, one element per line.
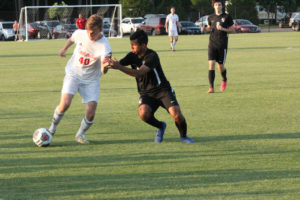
<point>174,42</point>
<point>171,43</point>
<point>84,126</point>
<point>57,116</point>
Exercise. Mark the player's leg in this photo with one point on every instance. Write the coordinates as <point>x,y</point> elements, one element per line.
<point>211,68</point>
<point>175,40</point>
<point>211,75</point>
<point>171,40</point>
<point>60,110</point>
<point>87,122</point>
<point>69,89</point>
<point>170,103</point>
<point>147,108</point>
<point>222,69</point>
<point>90,94</point>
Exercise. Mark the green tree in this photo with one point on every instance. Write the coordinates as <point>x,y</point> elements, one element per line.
<point>202,6</point>
<point>136,8</point>
<point>243,9</point>
<point>58,12</point>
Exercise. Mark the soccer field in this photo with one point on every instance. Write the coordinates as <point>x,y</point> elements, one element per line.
<point>247,139</point>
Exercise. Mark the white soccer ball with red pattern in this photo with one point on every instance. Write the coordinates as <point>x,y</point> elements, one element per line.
<point>42,137</point>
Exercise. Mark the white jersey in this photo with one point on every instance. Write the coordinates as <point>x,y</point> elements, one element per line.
<point>85,63</point>
<point>172,19</point>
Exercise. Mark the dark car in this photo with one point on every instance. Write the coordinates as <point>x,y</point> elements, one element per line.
<point>45,28</point>
<point>108,31</point>
<point>188,27</point>
<point>63,31</point>
<point>154,24</point>
<point>245,26</point>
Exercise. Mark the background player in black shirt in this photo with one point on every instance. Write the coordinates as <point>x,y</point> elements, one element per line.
<point>154,88</point>
<point>219,25</point>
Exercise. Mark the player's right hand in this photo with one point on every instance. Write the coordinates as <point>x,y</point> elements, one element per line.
<point>62,53</point>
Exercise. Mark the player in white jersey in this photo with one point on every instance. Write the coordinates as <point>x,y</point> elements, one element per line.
<point>172,27</point>
<point>83,72</point>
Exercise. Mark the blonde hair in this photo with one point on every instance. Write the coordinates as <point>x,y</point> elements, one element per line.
<point>94,21</point>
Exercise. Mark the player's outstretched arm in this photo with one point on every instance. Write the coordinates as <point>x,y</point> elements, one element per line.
<point>132,72</point>
<point>62,52</point>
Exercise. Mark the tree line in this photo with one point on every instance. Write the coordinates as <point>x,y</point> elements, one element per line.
<point>190,9</point>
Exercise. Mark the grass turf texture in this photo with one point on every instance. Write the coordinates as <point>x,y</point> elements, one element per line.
<point>247,138</point>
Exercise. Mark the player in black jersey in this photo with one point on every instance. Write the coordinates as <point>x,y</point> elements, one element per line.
<point>219,25</point>
<point>154,88</point>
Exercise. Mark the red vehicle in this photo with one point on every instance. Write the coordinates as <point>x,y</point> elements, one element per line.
<point>154,24</point>
<point>245,26</point>
<point>32,29</point>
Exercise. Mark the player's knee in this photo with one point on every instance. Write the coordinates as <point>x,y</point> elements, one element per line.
<point>144,114</point>
<point>90,117</point>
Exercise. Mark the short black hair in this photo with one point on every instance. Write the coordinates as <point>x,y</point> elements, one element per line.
<point>140,36</point>
<point>216,1</point>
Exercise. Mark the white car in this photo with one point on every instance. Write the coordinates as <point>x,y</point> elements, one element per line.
<point>202,21</point>
<point>6,28</point>
<point>130,25</point>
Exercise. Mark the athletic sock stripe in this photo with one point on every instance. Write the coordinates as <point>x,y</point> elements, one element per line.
<point>157,76</point>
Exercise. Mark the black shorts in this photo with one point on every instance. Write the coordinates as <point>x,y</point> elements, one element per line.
<point>217,54</point>
<point>165,98</point>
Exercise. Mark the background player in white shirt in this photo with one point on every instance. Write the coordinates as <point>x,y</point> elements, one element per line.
<point>83,72</point>
<point>172,27</point>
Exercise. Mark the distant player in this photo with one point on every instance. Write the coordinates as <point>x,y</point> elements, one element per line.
<point>219,25</point>
<point>80,22</point>
<point>83,72</point>
<point>172,27</point>
<point>153,86</point>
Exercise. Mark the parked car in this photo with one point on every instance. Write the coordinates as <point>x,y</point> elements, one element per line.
<point>63,31</point>
<point>202,21</point>
<point>245,26</point>
<point>284,22</point>
<point>130,25</point>
<point>6,28</point>
<point>45,28</point>
<point>296,26</point>
<point>154,24</point>
<point>2,38</point>
<point>108,31</point>
<point>188,27</point>
<point>295,17</point>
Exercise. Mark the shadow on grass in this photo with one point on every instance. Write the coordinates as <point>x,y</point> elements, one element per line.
<point>136,184</point>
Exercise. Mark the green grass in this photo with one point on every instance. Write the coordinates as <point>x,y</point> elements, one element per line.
<point>247,138</point>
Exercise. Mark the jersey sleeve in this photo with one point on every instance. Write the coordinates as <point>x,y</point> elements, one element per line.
<point>151,60</point>
<point>75,36</point>
<point>209,20</point>
<point>126,60</point>
<point>229,21</point>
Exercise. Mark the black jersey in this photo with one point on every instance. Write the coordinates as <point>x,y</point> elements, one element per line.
<point>152,81</point>
<point>219,39</point>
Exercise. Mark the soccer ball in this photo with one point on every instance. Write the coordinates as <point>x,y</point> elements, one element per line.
<point>42,137</point>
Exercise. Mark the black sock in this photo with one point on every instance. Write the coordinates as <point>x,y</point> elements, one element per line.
<point>224,75</point>
<point>154,122</point>
<point>211,78</point>
<point>182,127</point>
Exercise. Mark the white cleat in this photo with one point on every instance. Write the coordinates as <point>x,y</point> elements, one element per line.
<point>81,139</point>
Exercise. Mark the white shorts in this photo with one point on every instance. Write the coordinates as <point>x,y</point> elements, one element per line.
<point>173,33</point>
<point>89,91</point>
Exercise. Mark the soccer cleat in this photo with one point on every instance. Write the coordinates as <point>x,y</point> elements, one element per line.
<point>186,139</point>
<point>223,86</point>
<point>211,90</point>
<point>81,139</point>
<point>160,133</point>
